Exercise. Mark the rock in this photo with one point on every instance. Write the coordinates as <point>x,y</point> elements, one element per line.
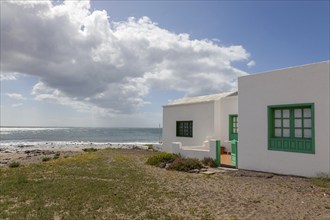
<point>204,169</point>
<point>167,165</point>
<point>194,171</point>
<point>208,172</point>
<point>162,165</point>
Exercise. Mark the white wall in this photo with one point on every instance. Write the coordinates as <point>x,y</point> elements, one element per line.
<point>202,115</point>
<point>305,84</point>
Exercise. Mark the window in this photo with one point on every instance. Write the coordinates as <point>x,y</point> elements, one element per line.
<point>291,128</point>
<point>233,127</point>
<point>184,128</point>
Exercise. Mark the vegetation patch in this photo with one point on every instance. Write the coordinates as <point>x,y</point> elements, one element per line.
<point>209,161</point>
<point>90,149</point>
<point>185,164</point>
<point>45,159</point>
<point>56,156</point>
<point>161,157</point>
<point>14,164</point>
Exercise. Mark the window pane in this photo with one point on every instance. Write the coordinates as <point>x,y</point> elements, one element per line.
<point>278,123</point>
<point>286,113</point>
<point>307,112</point>
<point>307,133</point>
<point>307,123</point>
<point>297,113</point>
<point>286,123</point>
<point>278,114</point>
<point>286,132</point>
<point>297,123</point>
<point>278,133</point>
<point>237,119</point>
<point>297,133</point>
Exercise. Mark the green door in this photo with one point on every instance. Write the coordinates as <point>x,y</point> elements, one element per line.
<point>233,137</point>
<point>233,127</point>
<point>234,152</point>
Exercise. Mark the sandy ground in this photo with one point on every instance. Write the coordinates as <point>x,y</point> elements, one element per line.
<point>33,156</point>
<point>227,194</point>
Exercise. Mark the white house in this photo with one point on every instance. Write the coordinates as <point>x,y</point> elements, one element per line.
<point>190,125</point>
<point>283,122</point>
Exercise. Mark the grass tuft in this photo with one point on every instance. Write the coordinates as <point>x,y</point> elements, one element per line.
<point>90,150</point>
<point>45,159</point>
<point>14,164</point>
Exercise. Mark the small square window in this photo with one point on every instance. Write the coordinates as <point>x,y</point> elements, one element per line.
<point>278,123</point>
<point>286,132</point>
<point>298,133</point>
<point>278,114</point>
<point>297,113</point>
<point>278,132</point>
<point>286,123</point>
<point>286,113</point>
<point>297,123</point>
<point>307,123</point>
<point>307,112</point>
<point>307,133</point>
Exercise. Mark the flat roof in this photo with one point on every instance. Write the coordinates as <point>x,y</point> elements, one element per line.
<point>201,99</point>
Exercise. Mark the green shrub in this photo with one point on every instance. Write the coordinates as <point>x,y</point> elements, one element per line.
<point>209,161</point>
<point>56,156</point>
<point>185,164</point>
<point>45,159</point>
<point>14,164</point>
<point>161,157</point>
<point>89,150</point>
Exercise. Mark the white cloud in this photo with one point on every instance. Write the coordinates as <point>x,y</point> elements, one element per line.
<point>8,76</point>
<point>85,61</point>
<point>16,105</point>
<point>16,96</point>
<point>250,64</point>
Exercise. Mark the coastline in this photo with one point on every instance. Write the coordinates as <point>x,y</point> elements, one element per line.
<point>32,152</point>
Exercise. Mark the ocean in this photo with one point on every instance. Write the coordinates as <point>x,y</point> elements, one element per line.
<point>26,137</point>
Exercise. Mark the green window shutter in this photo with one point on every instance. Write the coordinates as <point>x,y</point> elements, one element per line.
<point>291,128</point>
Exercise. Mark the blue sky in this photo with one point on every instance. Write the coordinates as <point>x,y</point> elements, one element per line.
<point>75,65</point>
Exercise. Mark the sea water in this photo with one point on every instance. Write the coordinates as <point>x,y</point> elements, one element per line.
<point>28,137</point>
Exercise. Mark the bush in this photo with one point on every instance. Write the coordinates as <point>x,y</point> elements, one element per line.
<point>161,157</point>
<point>45,159</point>
<point>89,150</point>
<point>185,164</point>
<point>14,164</point>
<point>209,161</point>
<point>56,156</point>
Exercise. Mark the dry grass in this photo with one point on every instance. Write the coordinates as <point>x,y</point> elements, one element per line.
<point>117,184</point>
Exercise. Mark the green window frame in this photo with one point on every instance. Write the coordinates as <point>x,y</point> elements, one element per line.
<point>184,128</point>
<point>233,127</point>
<point>291,128</point>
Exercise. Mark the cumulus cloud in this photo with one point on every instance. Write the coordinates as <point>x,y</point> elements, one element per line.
<point>88,62</point>
<point>16,96</point>
<point>8,76</point>
<point>250,64</point>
